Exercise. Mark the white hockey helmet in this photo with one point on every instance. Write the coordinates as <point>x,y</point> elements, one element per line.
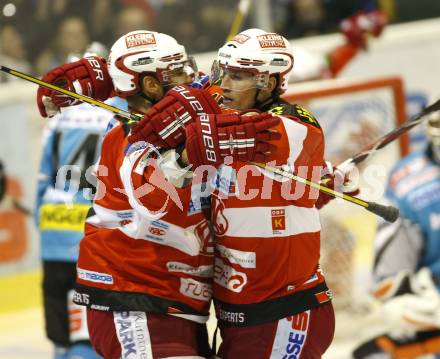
<point>145,51</point>
<point>260,52</point>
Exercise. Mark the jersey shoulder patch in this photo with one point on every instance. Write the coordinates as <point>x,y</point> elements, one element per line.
<point>296,111</point>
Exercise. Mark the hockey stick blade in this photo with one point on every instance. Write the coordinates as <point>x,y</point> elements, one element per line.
<point>388,213</point>
<point>389,137</point>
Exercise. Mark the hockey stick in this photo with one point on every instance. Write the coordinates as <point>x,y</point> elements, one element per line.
<point>125,114</point>
<point>18,206</point>
<point>388,213</point>
<point>383,141</point>
<point>243,8</point>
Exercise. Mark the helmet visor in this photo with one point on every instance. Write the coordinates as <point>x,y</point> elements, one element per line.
<point>179,73</point>
<point>238,79</point>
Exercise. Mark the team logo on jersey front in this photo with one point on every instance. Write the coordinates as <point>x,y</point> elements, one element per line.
<point>140,39</point>
<point>271,40</point>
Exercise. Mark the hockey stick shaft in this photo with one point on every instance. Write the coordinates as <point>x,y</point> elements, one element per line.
<point>389,137</point>
<point>389,213</point>
<point>240,15</point>
<point>125,114</point>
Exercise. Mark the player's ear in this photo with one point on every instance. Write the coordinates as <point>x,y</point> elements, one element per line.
<point>273,81</point>
<point>152,87</point>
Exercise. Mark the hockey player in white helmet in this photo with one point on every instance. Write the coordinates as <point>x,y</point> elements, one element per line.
<point>270,295</point>
<point>143,277</point>
<point>144,296</point>
<point>407,263</point>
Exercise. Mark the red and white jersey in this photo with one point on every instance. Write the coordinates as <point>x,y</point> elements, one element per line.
<point>267,228</point>
<point>146,246</point>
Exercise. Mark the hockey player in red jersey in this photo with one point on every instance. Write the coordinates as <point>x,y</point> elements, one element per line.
<point>145,263</point>
<point>145,277</point>
<point>270,295</point>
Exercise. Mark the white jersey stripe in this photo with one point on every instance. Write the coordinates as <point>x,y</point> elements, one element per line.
<point>250,223</point>
<point>296,133</point>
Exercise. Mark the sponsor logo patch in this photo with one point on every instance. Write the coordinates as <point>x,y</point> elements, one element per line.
<point>231,317</point>
<point>142,61</point>
<point>228,277</point>
<point>279,62</point>
<point>140,39</point>
<point>241,38</point>
<point>95,277</point>
<point>201,271</point>
<point>156,231</point>
<point>160,224</point>
<point>244,259</point>
<point>297,336</point>
<point>278,220</point>
<point>271,40</point>
<point>81,298</point>
<point>58,217</point>
<point>133,336</point>
<point>100,307</point>
<point>195,289</point>
<point>224,181</point>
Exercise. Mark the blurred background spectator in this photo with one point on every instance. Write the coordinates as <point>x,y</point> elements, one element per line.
<point>71,37</point>
<point>12,51</point>
<point>39,34</point>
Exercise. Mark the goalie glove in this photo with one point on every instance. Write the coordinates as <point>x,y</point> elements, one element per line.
<point>418,310</point>
<point>164,123</point>
<point>211,138</point>
<point>88,76</point>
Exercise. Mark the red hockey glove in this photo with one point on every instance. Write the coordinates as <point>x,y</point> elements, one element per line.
<point>335,180</point>
<point>246,138</point>
<point>88,76</point>
<point>164,123</point>
<point>357,27</point>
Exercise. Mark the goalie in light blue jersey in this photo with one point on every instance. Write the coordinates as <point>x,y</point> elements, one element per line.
<point>407,258</point>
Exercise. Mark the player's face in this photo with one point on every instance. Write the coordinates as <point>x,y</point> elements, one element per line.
<point>179,76</point>
<point>183,73</point>
<point>239,89</point>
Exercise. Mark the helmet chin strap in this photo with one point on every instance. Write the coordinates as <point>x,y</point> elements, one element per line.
<point>148,98</point>
<point>262,104</point>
